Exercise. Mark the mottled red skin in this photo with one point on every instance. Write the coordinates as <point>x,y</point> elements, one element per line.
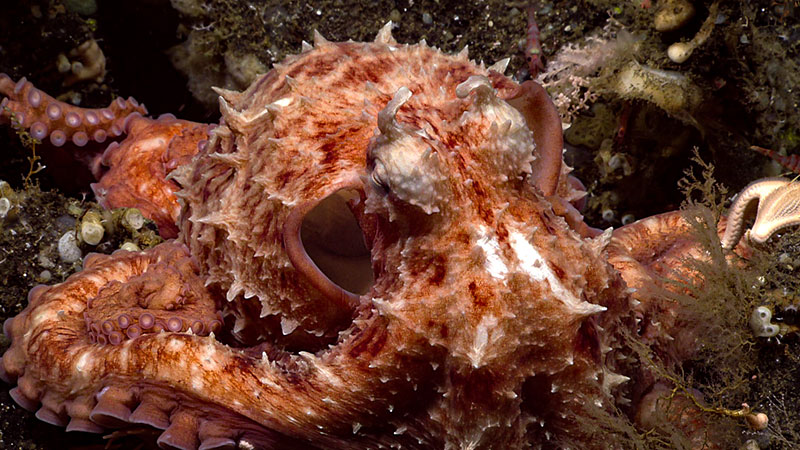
<point>494,319</point>
<point>139,165</point>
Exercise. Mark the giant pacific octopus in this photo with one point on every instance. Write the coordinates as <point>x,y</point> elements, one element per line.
<point>377,246</point>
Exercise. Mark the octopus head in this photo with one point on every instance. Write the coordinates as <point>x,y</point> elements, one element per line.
<point>467,252</point>
<point>477,138</point>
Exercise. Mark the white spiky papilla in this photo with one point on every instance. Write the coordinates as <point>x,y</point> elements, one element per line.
<point>384,35</point>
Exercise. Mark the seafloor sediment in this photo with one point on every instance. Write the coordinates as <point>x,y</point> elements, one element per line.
<point>629,148</point>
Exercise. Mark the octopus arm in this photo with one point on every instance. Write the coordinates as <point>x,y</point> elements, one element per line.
<point>542,118</point>
<point>651,248</point>
<point>132,172</point>
<point>138,168</point>
<point>648,254</point>
<point>168,380</point>
<point>28,108</point>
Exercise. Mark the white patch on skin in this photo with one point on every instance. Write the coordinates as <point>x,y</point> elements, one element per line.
<point>145,186</point>
<point>198,384</point>
<point>326,374</point>
<point>491,248</point>
<point>99,280</point>
<point>83,363</point>
<point>208,358</point>
<point>388,308</point>
<point>268,382</point>
<point>42,315</point>
<point>123,356</point>
<point>533,264</point>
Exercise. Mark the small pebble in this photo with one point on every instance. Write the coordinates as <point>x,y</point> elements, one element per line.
<point>68,249</point>
<point>62,63</point>
<point>133,219</point>
<point>615,162</point>
<point>45,276</point>
<point>784,258</point>
<point>45,262</point>
<point>5,207</point>
<point>130,246</point>
<point>673,15</point>
<point>74,210</point>
<point>91,228</point>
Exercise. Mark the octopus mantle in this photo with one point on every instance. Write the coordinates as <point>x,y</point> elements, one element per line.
<point>453,297</point>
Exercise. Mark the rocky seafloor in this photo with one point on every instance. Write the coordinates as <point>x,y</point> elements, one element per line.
<point>630,147</point>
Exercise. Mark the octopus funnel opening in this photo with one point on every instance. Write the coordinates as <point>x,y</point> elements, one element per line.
<point>335,243</point>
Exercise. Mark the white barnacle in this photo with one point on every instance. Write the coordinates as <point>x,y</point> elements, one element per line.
<point>760,323</point>
<point>91,228</point>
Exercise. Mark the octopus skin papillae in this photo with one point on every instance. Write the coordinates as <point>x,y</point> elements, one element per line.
<point>376,247</point>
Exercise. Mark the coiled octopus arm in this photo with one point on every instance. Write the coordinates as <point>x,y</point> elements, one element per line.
<point>63,346</point>
<point>137,169</point>
<point>647,253</point>
<point>541,115</point>
<point>131,172</point>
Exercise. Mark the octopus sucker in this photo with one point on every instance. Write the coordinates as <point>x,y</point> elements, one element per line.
<point>378,246</point>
